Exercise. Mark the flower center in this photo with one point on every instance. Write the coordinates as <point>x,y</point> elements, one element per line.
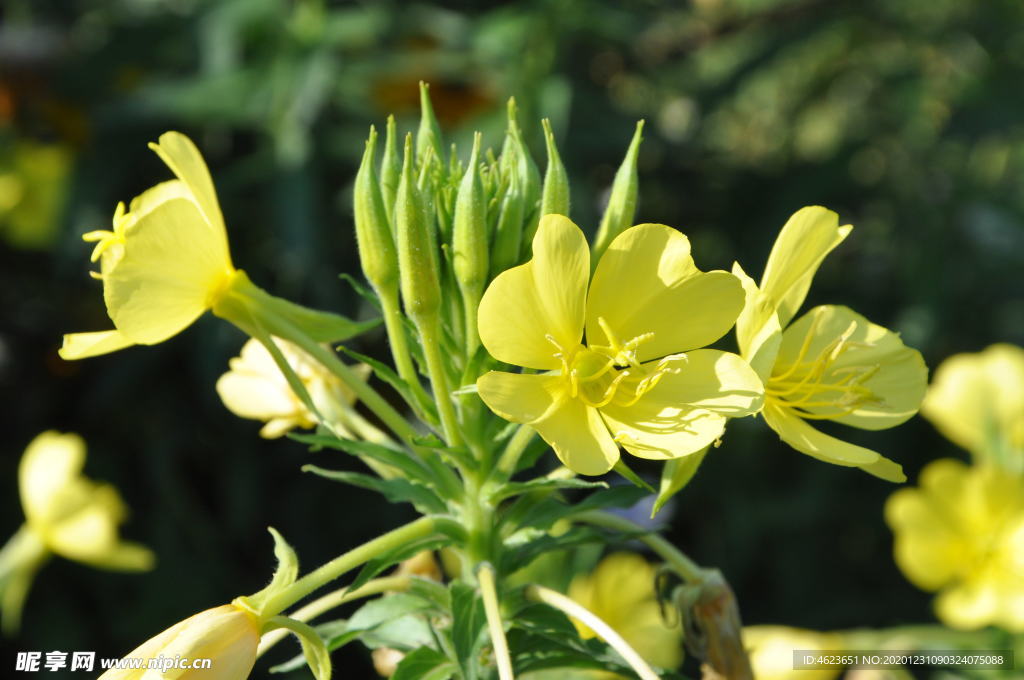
<point>112,241</point>
<point>814,389</point>
<point>599,375</point>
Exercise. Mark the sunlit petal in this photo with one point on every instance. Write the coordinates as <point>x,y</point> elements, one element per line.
<point>84,345</point>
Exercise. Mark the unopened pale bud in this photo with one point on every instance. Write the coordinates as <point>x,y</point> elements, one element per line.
<point>618,216</point>
<point>509,232</point>
<point>373,234</point>
<point>517,161</point>
<point>469,239</point>
<point>555,193</point>
<point>417,259</point>
<point>390,170</point>
<point>429,132</point>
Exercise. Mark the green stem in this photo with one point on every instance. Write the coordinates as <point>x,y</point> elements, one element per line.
<point>429,334</point>
<point>489,593</point>
<point>335,599</point>
<point>421,528</point>
<point>470,303</point>
<point>592,621</point>
<point>399,341</point>
<point>683,565</point>
<point>514,449</point>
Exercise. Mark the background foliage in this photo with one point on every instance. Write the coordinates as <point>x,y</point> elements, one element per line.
<point>904,117</point>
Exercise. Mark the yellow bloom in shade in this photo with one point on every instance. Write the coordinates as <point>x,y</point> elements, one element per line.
<point>961,533</point>
<point>977,401</point>
<point>830,364</point>
<point>634,381</point>
<point>620,591</point>
<point>771,651</point>
<point>227,635</point>
<point>256,388</point>
<point>66,514</point>
<point>165,261</point>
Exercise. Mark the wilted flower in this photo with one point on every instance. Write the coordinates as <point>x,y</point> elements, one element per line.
<point>961,533</point>
<point>637,379</point>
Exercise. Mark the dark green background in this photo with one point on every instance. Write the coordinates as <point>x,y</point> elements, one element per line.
<point>905,117</point>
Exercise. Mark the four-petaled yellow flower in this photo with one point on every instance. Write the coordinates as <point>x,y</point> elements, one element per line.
<point>165,262</point>
<point>66,514</point>
<point>977,401</point>
<point>227,635</point>
<point>635,381</point>
<point>832,363</point>
<point>620,591</point>
<point>256,388</point>
<point>962,533</point>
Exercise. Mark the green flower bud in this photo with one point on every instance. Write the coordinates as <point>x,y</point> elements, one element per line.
<point>390,170</point>
<point>469,241</point>
<point>554,197</point>
<point>509,232</point>
<point>429,132</point>
<point>621,209</point>
<point>373,233</point>
<point>516,160</point>
<point>417,259</point>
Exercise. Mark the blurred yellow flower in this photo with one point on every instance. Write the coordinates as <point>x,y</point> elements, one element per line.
<point>66,514</point>
<point>977,401</point>
<point>620,591</point>
<point>832,363</point>
<point>771,651</point>
<point>227,635</point>
<point>638,380</point>
<point>165,262</point>
<point>961,532</point>
<point>255,388</point>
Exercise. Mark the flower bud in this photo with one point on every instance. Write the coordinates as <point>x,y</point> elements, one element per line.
<point>390,170</point>
<point>516,160</point>
<point>429,132</point>
<point>509,232</point>
<point>554,196</point>
<point>417,260</point>
<point>469,241</point>
<point>373,235</point>
<point>227,635</point>
<point>621,209</point>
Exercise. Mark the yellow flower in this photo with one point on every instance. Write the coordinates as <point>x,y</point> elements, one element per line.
<point>256,388</point>
<point>620,591</point>
<point>166,260</point>
<point>977,401</point>
<point>962,533</point>
<point>832,363</point>
<point>66,514</point>
<point>634,382</point>
<point>227,635</point>
<point>771,651</point>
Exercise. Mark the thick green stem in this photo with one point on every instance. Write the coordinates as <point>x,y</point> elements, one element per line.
<point>399,341</point>
<point>470,303</point>
<point>421,528</point>
<point>430,335</point>
<point>683,565</point>
<point>489,593</point>
<point>592,621</point>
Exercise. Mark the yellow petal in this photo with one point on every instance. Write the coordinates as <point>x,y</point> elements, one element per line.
<point>575,431</point>
<point>84,345</point>
<point>977,400</point>
<point>249,395</point>
<point>544,297</point>
<point>758,333</point>
<point>926,548</point>
<point>51,462</point>
<point>646,282</point>
<point>970,605</point>
<point>806,439</point>
<point>807,237</point>
<point>185,161</point>
<point>172,268</point>
<point>898,375</point>
<point>687,410</point>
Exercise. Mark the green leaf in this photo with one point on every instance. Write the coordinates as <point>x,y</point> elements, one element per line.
<point>396,490</point>
<point>321,326</point>
<point>382,562</point>
<point>285,574</point>
<point>468,626</point>
<point>313,648</point>
<point>424,663</point>
<point>676,474</point>
<point>361,290</point>
<point>510,489</point>
<point>412,467</point>
<point>426,412</point>
<point>544,542</point>
<point>542,513</point>
<point>632,477</point>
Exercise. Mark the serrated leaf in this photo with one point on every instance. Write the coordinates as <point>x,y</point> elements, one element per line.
<point>411,466</point>
<point>424,663</point>
<point>676,474</point>
<point>511,489</point>
<point>468,625</point>
<point>396,490</point>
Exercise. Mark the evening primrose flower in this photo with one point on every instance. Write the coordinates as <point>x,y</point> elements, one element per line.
<point>255,388</point>
<point>164,262</point>
<point>977,401</point>
<point>227,635</point>
<point>66,514</point>
<point>961,533</point>
<point>830,364</point>
<point>771,651</point>
<point>620,592</point>
<point>634,381</point>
